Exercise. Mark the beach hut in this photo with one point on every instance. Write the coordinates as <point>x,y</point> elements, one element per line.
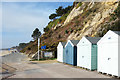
<point>60,51</point>
<point>109,54</point>
<point>87,52</point>
<point>70,55</point>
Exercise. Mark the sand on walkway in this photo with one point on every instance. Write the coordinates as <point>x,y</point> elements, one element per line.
<point>4,52</point>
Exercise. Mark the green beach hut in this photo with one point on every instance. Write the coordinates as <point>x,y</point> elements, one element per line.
<point>87,52</point>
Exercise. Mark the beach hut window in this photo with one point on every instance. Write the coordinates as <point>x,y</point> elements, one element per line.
<point>109,58</point>
<point>109,38</point>
<point>82,56</point>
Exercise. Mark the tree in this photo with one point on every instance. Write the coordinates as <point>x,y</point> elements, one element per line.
<point>67,9</point>
<point>60,11</point>
<point>36,34</point>
<point>66,31</point>
<point>117,11</point>
<point>46,29</point>
<point>59,36</point>
<point>22,45</point>
<point>52,16</point>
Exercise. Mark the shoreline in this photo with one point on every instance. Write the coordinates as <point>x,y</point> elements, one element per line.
<point>5,52</point>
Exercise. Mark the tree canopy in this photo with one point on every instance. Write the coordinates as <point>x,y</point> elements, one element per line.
<point>36,34</point>
<point>46,29</point>
<point>60,11</point>
<point>52,16</point>
<point>22,45</point>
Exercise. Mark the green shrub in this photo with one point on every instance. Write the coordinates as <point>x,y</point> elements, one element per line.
<point>63,18</point>
<point>71,30</point>
<point>29,48</point>
<point>59,36</point>
<point>46,29</point>
<point>77,22</point>
<point>80,28</point>
<point>78,5</point>
<point>66,31</point>
<point>113,18</point>
<point>117,11</point>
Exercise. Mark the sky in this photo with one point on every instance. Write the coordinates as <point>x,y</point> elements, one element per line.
<point>19,19</point>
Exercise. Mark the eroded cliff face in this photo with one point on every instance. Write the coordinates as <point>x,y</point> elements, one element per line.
<point>91,19</point>
<point>95,19</point>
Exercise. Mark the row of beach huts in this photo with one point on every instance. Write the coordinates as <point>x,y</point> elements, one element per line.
<point>93,53</point>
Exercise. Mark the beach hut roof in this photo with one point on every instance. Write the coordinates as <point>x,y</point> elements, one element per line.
<point>93,40</point>
<point>74,42</point>
<point>63,44</point>
<point>117,32</point>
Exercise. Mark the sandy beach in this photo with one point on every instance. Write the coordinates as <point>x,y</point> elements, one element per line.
<point>4,52</point>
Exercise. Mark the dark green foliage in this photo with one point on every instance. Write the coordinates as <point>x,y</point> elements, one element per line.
<point>22,45</point>
<point>46,29</point>
<point>116,14</point>
<point>117,11</point>
<point>67,9</point>
<point>80,28</point>
<point>52,16</point>
<point>29,48</point>
<point>88,12</point>
<point>115,26</point>
<point>79,4</point>
<point>77,22</point>
<point>59,36</point>
<point>60,11</point>
<point>36,34</point>
<point>66,31</point>
<point>113,17</point>
<point>71,30</point>
<point>60,20</point>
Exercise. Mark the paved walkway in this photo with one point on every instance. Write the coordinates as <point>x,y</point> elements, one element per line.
<point>45,69</point>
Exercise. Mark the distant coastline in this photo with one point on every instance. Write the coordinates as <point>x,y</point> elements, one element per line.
<point>4,52</point>
<point>5,49</point>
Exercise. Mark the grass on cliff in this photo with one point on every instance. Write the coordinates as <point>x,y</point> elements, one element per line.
<point>78,5</point>
<point>57,21</point>
<point>51,39</point>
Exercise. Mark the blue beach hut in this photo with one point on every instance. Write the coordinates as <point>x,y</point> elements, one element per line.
<point>70,52</point>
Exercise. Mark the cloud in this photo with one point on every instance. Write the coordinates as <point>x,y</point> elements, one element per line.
<point>38,0</point>
<point>19,19</point>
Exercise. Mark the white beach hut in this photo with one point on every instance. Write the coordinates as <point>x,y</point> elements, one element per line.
<point>109,54</point>
<point>87,52</point>
<point>60,51</point>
